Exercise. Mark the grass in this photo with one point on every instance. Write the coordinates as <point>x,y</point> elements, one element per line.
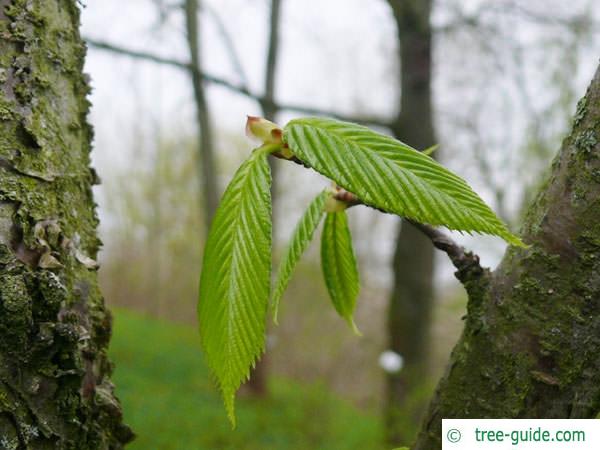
<point>172,404</point>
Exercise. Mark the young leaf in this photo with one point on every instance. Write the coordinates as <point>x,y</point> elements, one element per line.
<point>235,278</point>
<point>339,265</point>
<point>387,174</point>
<point>303,234</point>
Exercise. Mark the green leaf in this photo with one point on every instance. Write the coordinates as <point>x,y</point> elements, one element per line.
<point>339,265</point>
<point>390,175</point>
<point>235,278</point>
<point>303,234</point>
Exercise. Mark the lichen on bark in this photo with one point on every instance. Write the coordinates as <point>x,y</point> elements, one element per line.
<point>531,343</point>
<point>55,388</point>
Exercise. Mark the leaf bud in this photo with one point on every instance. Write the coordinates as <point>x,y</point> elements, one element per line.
<point>263,130</point>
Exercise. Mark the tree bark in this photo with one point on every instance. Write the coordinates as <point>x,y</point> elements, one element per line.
<point>413,265</point>
<point>207,169</point>
<point>55,388</point>
<point>531,343</point>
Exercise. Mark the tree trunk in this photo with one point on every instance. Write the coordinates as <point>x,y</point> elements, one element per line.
<point>412,296</point>
<point>207,169</point>
<point>268,105</point>
<point>531,343</point>
<point>55,388</point>
<point>257,384</point>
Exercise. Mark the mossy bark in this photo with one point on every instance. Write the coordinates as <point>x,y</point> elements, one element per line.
<point>531,343</point>
<point>55,390</point>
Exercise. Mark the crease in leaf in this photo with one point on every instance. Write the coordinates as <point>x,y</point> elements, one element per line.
<point>301,238</point>
<point>339,266</point>
<point>235,278</point>
<point>390,175</point>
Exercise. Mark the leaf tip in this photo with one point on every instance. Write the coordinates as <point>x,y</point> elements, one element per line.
<point>229,400</point>
<point>354,328</point>
<point>430,150</point>
<point>513,239</point>
<point>276,313</point>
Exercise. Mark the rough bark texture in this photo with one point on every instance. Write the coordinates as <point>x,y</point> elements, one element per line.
<point>55,390</point>
<point>531,343</point>
<point>412,295</point>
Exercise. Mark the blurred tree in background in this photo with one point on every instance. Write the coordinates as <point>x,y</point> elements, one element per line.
<point>411,299</point>
<point>155,232</point>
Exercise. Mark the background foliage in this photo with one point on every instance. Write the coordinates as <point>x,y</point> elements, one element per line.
<point>182,409</point>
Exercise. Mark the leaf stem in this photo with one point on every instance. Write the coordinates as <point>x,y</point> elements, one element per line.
<point>269,149</point>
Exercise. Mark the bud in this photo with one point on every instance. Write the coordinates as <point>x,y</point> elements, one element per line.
<point>264,130</point>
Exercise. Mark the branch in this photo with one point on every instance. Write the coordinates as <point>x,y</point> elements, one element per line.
<point>466,262</point>
<point>164,11</point>
<point>146,56</point>
<point>476,19</point>
<point>101,45</point>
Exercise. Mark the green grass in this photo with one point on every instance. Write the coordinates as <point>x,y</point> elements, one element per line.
<point>171,402</point>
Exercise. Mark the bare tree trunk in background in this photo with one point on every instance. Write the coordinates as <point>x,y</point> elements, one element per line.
<point>531,343</point>
<point>207,170</point>
<point>257,384</point>
<point>55,386</point>
<point>268,101</point>
<point>412,296</point>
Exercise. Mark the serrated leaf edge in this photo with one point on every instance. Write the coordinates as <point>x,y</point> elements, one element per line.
<point>306,228</point>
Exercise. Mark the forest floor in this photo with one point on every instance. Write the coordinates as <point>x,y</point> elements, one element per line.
<point>171,402</point>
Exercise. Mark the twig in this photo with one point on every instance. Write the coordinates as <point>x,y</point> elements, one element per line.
<point>462,260</point>
<point>365,120</point>
<point>466,262</point>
